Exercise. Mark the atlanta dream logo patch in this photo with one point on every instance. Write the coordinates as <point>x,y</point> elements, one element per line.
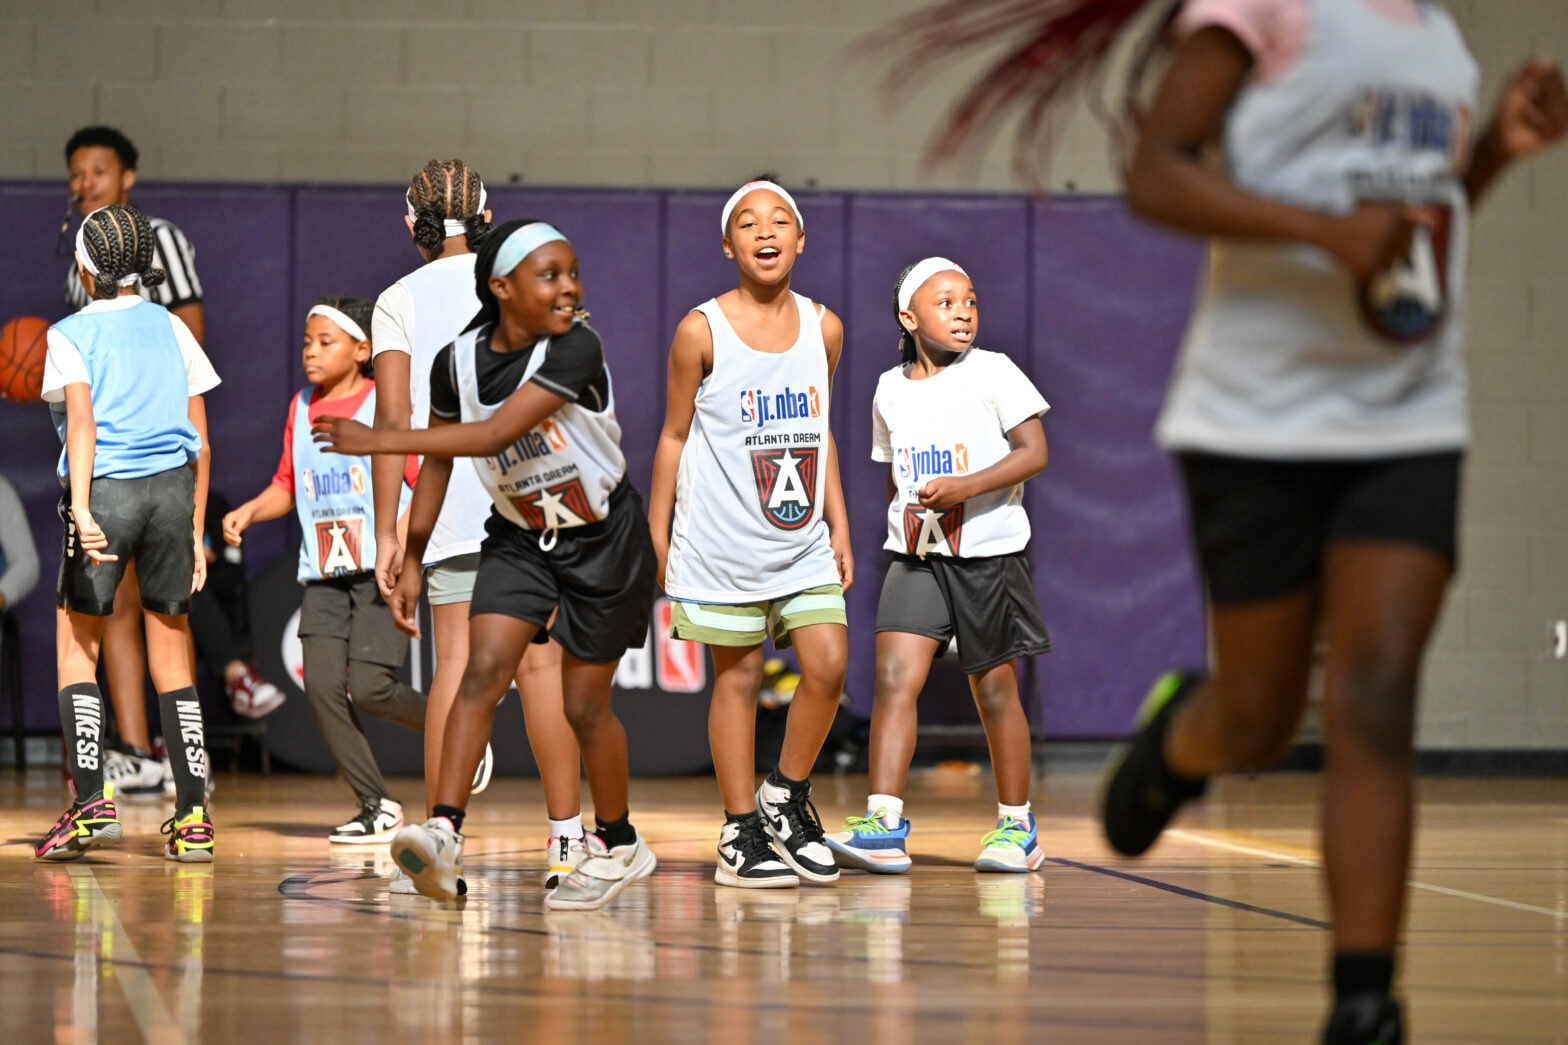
<point>786,484</point>
<point>561,506</point>
<point>933,531</point>
<point>338,545</point>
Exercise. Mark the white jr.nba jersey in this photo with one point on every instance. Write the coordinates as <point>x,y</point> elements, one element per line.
<point>748,519</point>
<point>561,473</point>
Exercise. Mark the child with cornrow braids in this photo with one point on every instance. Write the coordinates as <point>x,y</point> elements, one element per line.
<point>125,379</point>
<point>414,319</point>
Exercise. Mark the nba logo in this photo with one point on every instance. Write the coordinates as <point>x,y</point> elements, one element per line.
<point>904,469</point>
<point>811,395</point>
<point>679,664</point>
<point>748,406</point>
<point>309,483</point>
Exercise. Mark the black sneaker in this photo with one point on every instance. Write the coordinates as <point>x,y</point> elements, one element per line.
<point>793,822</point>
<point>1365,1019</point>
<point>376,822</point>
<point>748,860</point>
<point>1143,796</point>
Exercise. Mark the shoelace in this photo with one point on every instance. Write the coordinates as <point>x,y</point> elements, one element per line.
<point>754,844</point>
<point>803,819</point>
<point>1009,835</point>
<point>870,824</point>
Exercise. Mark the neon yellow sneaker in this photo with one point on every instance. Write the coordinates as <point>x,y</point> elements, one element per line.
<point>190,837</point>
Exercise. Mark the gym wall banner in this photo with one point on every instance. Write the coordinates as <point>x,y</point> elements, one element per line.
<point>661,694</point>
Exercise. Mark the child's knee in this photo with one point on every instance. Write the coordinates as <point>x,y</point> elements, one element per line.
<point>824,669</point>
<point>996,693</point>
<point>585,712</point>
<point>370,684</point>
<point>486,676</point>
<point>1375,708</point>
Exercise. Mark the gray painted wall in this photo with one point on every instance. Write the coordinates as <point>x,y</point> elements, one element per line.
<point>692,93</point>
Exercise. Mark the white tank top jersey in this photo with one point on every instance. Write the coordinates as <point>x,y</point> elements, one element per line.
<point>748,522</point>
<point>1285,357</point>
<point>561,473</point>
<point>954,422</point>
<point>419,315</point>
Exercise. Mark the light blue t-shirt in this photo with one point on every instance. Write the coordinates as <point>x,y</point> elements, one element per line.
<point>140,391</point>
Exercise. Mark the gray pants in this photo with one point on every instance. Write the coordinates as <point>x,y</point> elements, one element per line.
<point>352,647</point>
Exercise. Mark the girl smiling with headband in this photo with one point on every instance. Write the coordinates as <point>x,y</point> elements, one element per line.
<point>349,641</point>
<point>747,473</point>
<point>526,393</point>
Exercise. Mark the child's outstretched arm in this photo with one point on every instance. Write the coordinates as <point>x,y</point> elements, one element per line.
<point>834,510</point>
<point>1025,460</point>
<point>423,510</point>
<point>196,410</point>
<point>691,358</point>
<point>1532,113</point>
<point>81,446</point>
<point>523,410</point>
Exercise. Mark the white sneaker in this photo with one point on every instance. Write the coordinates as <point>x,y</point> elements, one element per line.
<point>797,832</point>
<point>482,772</point>
<point>566,855</point>
<point>376,822</point>
<point>133,775</point>
<point>431,854</point>
<point>747,859</point>
<point>602,874</point>
<point>401,884</point>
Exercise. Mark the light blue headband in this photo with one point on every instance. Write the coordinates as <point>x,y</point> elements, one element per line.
<point>522,243</point>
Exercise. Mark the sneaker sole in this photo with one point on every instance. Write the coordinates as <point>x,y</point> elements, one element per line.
<point>1034,863</point>
<point>109,834</point>
<point>867,862</point>
<point>806,874</point>
<point>724,876</point>
<point>640,869</point>
<point>194,856</point>
<point>418,860</point>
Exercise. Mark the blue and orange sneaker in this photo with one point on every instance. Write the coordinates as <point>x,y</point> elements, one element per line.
<point>871,845</point>
<point>190,837</point>
<point>1013,846</point>
<point>84,825</point>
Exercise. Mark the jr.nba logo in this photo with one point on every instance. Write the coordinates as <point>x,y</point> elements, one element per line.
<point>933,531</point>
<point>786,484</point>
<point>338,545</point>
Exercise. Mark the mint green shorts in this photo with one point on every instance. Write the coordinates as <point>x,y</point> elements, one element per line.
<point>748,623</point>
<point>452,580</point>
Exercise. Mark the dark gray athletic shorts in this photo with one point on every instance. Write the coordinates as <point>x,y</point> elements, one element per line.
<point>150,520</point>
<point>988,603</point>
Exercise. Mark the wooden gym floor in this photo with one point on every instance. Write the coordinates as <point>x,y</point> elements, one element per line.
<point>1218,936</point>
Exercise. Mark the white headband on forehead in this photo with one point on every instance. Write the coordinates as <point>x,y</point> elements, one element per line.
<point>923,271</point>
<point>85,260</point>
<point>753,186</point>
<point>453,226</point>
<point>351,328</point>
<point>522,242</point>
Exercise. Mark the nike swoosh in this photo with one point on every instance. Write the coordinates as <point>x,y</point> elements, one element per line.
<point>730,862</point>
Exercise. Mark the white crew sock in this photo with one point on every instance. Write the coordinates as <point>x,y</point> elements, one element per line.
<point>571,828</point>
<point>892,804</point>
<point>1007,812</point>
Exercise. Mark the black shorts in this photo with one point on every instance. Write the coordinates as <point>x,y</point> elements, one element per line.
<point>1261,526</point>
<point>351,608</point>
<point>150,521</point>
<point>600,576</point>
<point>988,603</point>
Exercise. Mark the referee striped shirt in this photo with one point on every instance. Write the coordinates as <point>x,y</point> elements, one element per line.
<point>173,253</point>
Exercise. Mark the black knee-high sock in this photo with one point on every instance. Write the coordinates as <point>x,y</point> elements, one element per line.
<point>182,732</point>
<point>81,720</point>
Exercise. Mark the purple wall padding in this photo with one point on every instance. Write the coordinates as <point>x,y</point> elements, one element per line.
<point>1089,302</point>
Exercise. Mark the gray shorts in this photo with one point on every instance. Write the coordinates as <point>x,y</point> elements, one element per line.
<point>452,580</point>
<point>352,608</point>
<point>151,521</point>
<point>987,603</point>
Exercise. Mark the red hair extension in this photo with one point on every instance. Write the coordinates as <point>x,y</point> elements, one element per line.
<point>1056,46</point>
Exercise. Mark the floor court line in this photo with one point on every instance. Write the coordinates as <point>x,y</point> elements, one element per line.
<point>1269,851</point>
<point>152,1016</point>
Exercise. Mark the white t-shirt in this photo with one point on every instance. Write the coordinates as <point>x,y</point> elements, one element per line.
<point>953,423</point>
<point>419,315</point>
<point>63,364</point>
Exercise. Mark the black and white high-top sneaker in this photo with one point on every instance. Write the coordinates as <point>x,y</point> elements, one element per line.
<point>796,829</point>
<point>376,822</point>
<point>747,859</point>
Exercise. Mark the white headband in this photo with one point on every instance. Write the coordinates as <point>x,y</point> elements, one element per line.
<point>85,260</point>
<point>453,226</point>
<point>351,328</point>
<point>752,186</point>
<point>522,242</point>
<point>923,271</point>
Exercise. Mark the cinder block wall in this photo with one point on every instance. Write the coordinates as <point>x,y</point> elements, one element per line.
<point>708,92</point>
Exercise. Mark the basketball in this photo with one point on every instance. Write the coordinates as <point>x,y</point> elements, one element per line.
<point>23,343</point>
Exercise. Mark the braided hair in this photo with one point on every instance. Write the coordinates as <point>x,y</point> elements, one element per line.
<point>361,311</point>
<point>118,240</point>
<point>908,353</point>
<point>442,191</point>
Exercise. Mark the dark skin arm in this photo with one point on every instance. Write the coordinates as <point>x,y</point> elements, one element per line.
<point>522,411</point>
<point>1532,113</point>
<point>834,511</point>
<point>1026,459</point>
<point>195,318</point>
<point>691,360</point>
<point>423,510</point>
<point>386,470</point>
